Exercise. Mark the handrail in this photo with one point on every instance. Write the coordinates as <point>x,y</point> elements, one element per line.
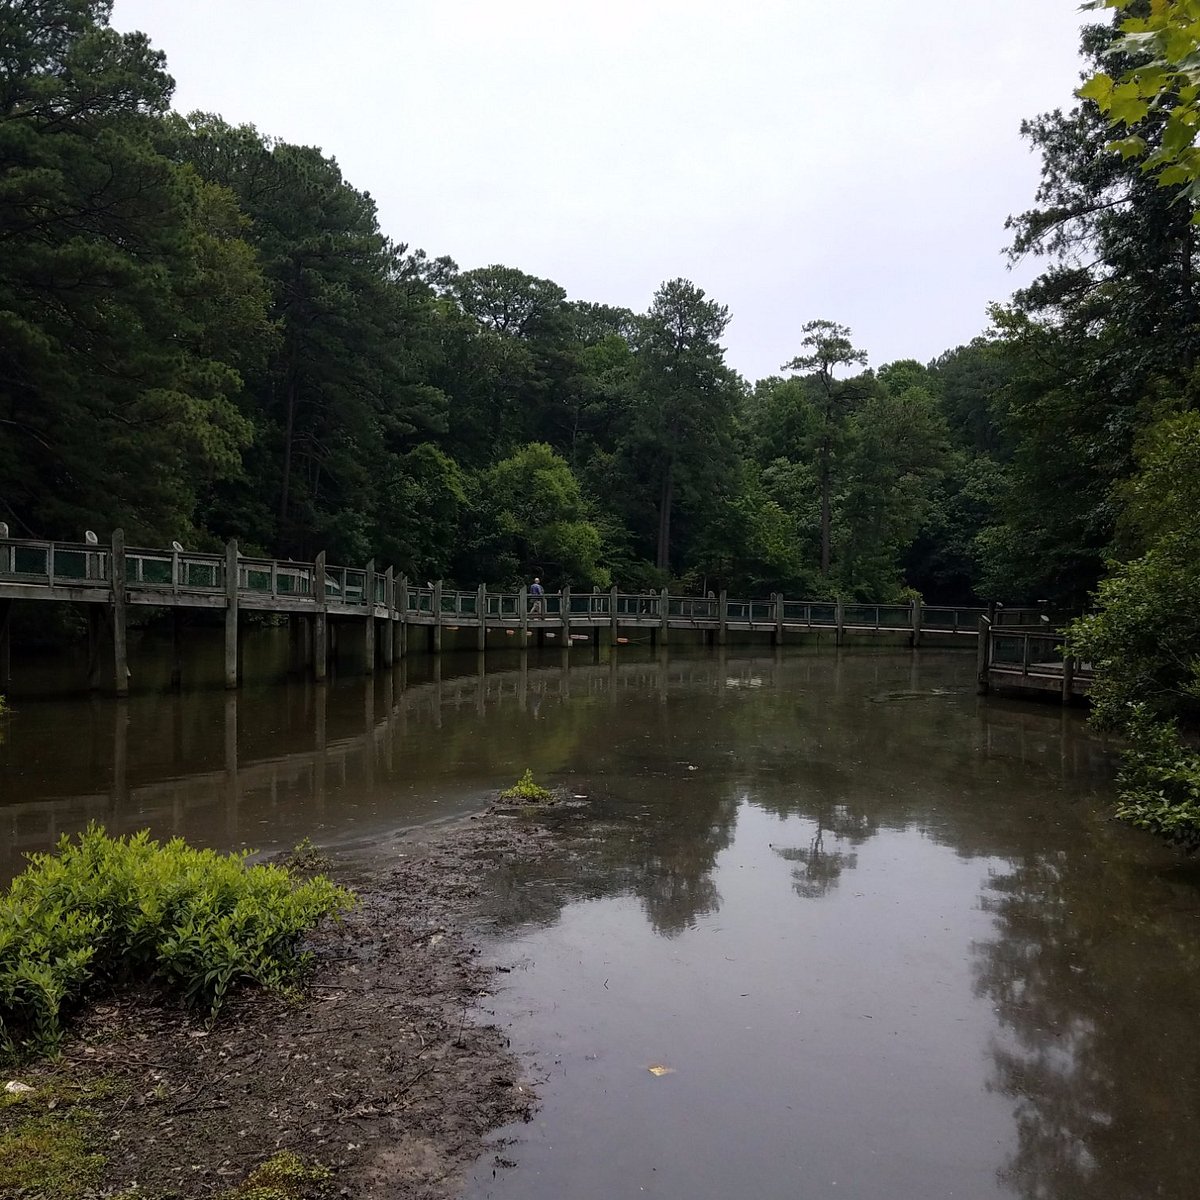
<point>149,570</point>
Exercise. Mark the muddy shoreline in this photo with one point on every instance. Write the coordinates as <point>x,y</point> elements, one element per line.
<point>382,1069</point>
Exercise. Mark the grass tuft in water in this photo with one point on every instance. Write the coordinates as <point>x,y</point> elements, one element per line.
<point>527,789</point>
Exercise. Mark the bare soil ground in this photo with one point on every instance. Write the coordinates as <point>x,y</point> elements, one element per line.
<point>382,1070</point>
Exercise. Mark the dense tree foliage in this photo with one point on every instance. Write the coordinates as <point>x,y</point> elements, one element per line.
<point>1130,324</point>
<point>207,334</point>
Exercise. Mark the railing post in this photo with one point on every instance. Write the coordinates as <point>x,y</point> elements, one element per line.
<point>481,611</point>
<point>840,620</point>
<point>231,614</point>
<point>369,631</point>
<point>175,570</point>
<point>612,615</point>
<point>1068,683</point>
<point>402,629</point>
<point>917,614</point>
<point>320,620</point>
<point>778,618</point>
<point>665,615</point>
<point>1026,653</point>
<point>50,564</point>
<point>722,617</point>
<point>983,656</point>
<point>120,662</point>
<point>389,620</point>
<point>435,631</point>
<point>564,613</point>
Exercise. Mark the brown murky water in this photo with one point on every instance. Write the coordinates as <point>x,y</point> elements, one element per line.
<point>880,930</point>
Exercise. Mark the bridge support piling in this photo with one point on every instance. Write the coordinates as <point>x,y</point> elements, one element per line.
<point>389,621</point>
<point>6,645</point>
<point>1068,680</point>
<point>120,660</point>
<point>665,615</point>
<point>917,614</point>
<point>176,648</point>
<point>369,630</point>
<point>778,598</point>
<point>564,613</point>
<point>523,614</point>
<point>982,656</point>
<point>95,639</point>
<point>320,646</point>
<point>296,663</point>
<point>231,615</point>
<point>612,615</point>
<point>435,630</point>
<point>840,612</point>
<point>481,610</point>
<point>722,617</point>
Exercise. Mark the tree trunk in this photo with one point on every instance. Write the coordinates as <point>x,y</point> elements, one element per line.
<point>666,500</point>
<point>825,518</point>
<point>1186,263</point>
<point>289,434</point>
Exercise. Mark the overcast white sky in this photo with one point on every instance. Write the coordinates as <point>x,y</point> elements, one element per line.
<point>795,159</point>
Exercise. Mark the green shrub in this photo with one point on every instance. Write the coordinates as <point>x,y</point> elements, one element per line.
<point>526,789</point>
<point>103,911</point>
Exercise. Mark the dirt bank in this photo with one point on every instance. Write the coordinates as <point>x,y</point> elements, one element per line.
<point>382,1070</point>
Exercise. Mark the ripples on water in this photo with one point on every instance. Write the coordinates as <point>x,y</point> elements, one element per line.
<point>882,929</point>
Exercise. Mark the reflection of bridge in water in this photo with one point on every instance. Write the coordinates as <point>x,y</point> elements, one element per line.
<point>326,748</point>
<point>105,582</point>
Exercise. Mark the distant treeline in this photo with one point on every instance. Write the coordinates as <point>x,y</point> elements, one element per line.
<point>205,334</point>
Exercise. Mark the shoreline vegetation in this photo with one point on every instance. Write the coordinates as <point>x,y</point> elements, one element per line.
<point>252,1030</point>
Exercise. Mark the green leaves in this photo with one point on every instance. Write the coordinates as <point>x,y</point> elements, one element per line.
<point>1163,49</point>
<point>101,911</point>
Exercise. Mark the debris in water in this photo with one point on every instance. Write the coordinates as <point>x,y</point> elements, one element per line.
<point>660,1069</point>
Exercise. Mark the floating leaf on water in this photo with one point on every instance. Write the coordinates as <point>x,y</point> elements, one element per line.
<point>660,1069</point>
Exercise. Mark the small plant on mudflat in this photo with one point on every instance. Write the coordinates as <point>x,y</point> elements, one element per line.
<point>101,912</point>
<point>528,790</point>
<point>284,1177</point>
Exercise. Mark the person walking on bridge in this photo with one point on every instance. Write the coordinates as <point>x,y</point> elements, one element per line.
<point>535,596</point>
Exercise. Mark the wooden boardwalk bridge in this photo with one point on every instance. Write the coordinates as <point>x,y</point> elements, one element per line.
<point>384,608</point>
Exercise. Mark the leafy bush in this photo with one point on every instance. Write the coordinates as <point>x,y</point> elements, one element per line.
<point>1143,640</point>
<point>526,789</point>
<point>102,911</point>
<point>1159,781</point>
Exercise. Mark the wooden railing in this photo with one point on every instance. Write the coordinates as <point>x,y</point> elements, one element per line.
<point>1030,658</point>
<point>84,571</point>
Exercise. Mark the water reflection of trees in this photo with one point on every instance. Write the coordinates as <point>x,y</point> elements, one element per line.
<point>1095,984</point>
